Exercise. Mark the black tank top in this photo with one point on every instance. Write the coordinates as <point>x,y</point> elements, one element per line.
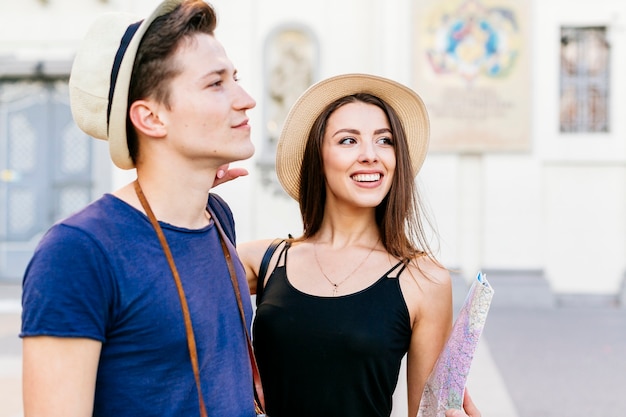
<point>330,356</point>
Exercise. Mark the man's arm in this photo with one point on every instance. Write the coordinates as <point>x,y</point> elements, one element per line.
<point>59,376</point>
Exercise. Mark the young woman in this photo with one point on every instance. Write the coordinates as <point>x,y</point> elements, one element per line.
<point>360,288</point>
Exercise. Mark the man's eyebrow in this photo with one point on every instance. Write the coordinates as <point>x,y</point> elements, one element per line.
<point>219,72</point>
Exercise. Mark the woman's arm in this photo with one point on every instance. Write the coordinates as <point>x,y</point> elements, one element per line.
<point>430,300</point>
<point>251,254</point>
<point>225,174</point>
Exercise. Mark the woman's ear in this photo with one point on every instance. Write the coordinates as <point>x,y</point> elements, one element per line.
<point>144,116</point>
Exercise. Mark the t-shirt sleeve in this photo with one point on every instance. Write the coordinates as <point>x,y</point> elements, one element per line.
<point>67,287</point>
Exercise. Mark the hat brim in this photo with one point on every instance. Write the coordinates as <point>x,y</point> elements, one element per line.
<point>118,142</point>
<point>406,103</point>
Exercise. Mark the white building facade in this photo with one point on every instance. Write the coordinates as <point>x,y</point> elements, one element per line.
<point>551,214</point>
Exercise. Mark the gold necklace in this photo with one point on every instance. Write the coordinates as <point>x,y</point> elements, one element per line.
<point>337,284</point>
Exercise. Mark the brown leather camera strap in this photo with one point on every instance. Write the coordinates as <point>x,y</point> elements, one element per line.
<point>259,400</point>
<point>191,341</point>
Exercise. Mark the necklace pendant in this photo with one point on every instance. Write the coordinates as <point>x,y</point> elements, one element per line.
<point>337,284</point>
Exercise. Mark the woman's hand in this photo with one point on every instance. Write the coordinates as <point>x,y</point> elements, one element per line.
<point>224,174</point>
<point>468,406</point>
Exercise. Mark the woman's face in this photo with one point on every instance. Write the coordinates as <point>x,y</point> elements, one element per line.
<point>359,156</point>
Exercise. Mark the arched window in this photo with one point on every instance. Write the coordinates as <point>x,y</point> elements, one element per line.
<point>290,67</point>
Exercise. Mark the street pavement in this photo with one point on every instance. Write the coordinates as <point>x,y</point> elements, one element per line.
<point>567,361</point>
<point>551,357</point>
<point>10,352</point>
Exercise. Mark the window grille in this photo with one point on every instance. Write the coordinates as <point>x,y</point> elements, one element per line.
<point>585,80</point>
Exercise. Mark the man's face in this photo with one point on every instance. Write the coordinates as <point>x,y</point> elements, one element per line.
<point>207,121</point>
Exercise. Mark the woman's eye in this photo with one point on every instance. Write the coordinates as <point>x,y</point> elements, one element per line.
<point>347,141</point>
<point>385,140</point>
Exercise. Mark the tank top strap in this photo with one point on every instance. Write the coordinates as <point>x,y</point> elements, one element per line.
<point>397,268</point>
<point>282,256</point>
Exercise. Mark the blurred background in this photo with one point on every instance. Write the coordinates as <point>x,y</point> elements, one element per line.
<point>525,178</point>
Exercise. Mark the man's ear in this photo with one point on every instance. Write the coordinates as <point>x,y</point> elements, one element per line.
<point>144,116</point>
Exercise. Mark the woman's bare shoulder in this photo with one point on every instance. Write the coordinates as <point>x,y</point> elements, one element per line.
<point>252,252</point>
<point>427,287</point>
<point>426,270</point>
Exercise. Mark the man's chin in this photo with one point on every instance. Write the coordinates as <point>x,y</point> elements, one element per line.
<point>245,152</point>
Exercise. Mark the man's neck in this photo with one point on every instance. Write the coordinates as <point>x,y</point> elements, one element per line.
<point>176,201</point>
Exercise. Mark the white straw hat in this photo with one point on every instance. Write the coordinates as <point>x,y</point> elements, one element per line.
<point>406,103</point>
<point>100,77</point>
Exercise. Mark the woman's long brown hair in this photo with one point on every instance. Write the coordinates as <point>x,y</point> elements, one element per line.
<point>399,216</point>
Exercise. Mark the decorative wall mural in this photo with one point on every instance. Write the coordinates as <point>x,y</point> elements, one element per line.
<point>473,41</point>
<point>472,69</point>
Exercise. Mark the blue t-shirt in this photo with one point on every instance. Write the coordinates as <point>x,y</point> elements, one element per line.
<point>102,274</point>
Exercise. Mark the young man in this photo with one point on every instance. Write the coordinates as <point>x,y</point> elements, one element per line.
<point>104,330</point>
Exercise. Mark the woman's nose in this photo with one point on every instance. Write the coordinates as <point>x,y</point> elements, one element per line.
<point>368,152</point>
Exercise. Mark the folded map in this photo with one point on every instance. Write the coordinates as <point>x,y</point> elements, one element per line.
<point>446,383</point>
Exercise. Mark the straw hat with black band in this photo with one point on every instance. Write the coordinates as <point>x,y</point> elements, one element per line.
<point>100,77</point>
<point>406,103</point>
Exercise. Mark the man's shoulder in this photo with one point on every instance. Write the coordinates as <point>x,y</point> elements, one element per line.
<point>105,211</point>
<point>224,214</point>
<point>218,203</point>
<point>103,218</point>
